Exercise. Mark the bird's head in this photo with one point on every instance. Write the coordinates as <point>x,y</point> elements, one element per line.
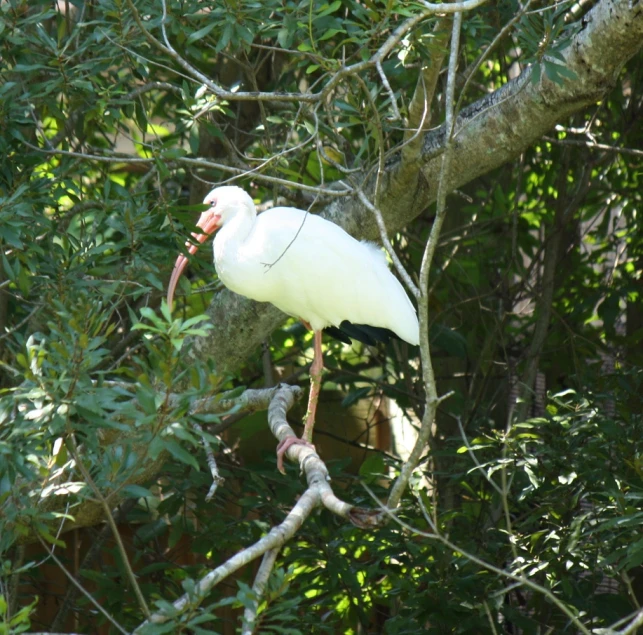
<point>223,204</point>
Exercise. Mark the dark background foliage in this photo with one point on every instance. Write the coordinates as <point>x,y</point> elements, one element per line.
<point>107,147</point>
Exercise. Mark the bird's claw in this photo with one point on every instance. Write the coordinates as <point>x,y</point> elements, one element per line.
<point>283,446</point>
<point>366,518</point>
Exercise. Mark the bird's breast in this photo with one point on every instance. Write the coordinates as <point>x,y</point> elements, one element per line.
<point>247,269</point>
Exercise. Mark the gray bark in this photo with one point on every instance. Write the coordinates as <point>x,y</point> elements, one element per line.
<point>489,133</point>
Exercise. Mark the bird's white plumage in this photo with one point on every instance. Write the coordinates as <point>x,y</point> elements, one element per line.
<point>307,266</point>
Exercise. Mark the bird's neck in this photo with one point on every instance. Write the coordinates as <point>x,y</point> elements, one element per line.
<point>233,234</point>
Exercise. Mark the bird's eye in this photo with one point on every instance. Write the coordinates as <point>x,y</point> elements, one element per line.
<point>213,203</point>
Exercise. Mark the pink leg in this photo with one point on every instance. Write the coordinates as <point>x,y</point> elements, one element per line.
<point>315,387</point>
<point>283,447</point>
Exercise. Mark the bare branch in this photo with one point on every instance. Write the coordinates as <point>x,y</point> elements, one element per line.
<point>630,629</point>
<point>261,579</point>
<point>306,97</point>
<point>217,479</point>
<point>80,587</point>
<point>274,539</point>
<point>389,90</point>
<point>116,157</point>
<point>591,145</point>
<point>112,523</point>
<point>452,7</point>
<point>517,577</point>
<point>474,458</point>
<point>145,88</point>
<point>419,118</point>
<point>428,376</point>
<point>318,493</point>
<point>399,267</point>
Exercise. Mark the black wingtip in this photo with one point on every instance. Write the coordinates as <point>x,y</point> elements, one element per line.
<point>365,333</point>
<point>338,334</point>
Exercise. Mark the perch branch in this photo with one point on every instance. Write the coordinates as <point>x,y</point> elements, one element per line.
<point>275,538</point>
<point>318,493</point>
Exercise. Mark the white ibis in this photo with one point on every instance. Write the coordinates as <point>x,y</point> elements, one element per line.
<point>309,268</point>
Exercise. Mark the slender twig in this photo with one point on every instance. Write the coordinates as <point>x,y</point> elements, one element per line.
<point>115,157</point>
<point>428,375</point>
<point>94,551</point>
<point>520,579</point>
<point>259,586</point>
<point>592,145</point>
<point>80,587</point>
<point>112,523</point>
<point>389,90</point>
<point>12,593</point>
<point>452,7</point>
<point>474,458</point>
<point>308,97</point>
<point>217,479</point>
<point>22,322</point>
<point>461,240</point>
<point>494,630</point>
<point>374,207</point>
<point>630,629</point>
<point>148,87</point>
<point>399,267</point>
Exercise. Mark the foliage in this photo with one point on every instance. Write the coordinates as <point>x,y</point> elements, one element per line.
<point>107,146</point>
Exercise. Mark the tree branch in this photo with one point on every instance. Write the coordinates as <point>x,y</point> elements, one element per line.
<point>489,133</point>
<point>259,586</point>
<point>428,376</point>
<point>305,97</point>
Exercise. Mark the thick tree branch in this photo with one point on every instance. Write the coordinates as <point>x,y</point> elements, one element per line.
<point>489,133</point>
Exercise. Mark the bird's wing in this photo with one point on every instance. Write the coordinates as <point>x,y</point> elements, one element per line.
<point>311,268</point>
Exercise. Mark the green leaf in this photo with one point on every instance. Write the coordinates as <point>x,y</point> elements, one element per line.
<point>355,395</point>
<point>201,33</point>
<point>330,9</point>
<point>284,37</point>
<point>180,453</point>
<point>136,491</point>
<point>330,33</point>
<point>373,467</point>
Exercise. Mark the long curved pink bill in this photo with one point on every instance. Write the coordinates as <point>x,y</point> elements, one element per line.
<point>208,223</point>
<point>179,267</point>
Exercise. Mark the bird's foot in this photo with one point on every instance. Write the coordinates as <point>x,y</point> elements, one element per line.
<point>366,518</point>
<point>283,446</point>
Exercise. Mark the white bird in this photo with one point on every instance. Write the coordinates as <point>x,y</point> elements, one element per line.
<point>309,268</point>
